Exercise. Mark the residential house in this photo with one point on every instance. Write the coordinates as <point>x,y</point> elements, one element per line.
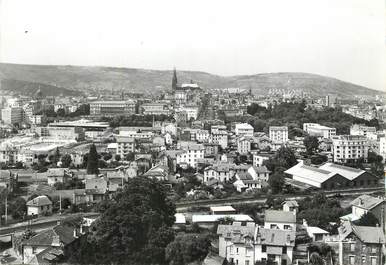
<point>38,206</point>
<point>259,173</point>
<point>275,219</point>
<point>48,246</point>
<point>244,144</point>
<point>220,171</point>
<point>290,206</point>
<point>364,204</point>
<point>226,209</point>
<point>314,232</point>
<point>57,175</point>
<point>245,182</point>
<point>360,244</point>
<point>96,189</point>
<point>244,129</point>
<point>249,244</point>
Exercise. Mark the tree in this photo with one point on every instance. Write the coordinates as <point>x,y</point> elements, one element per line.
<point>368,219</point>
<point>18,208</point>
<point>66,160</point>
<point>187,248</point>
<point>134,228</point>
<point>118,157</point>
<point>316,259</point>
<point>92,161</point>
<point>276,182</point>
<point>311,143</point>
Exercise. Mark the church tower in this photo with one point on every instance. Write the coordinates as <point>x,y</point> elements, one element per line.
<point>174,80</point>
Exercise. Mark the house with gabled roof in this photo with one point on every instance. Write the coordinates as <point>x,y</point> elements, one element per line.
<point>276,219</point>
<point>360,244</point>
<point>364,204</point>
<point>249,244</point>
<point>48,246</point>
<point>40,205</point>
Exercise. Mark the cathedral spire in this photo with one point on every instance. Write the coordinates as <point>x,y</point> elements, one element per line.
<point>174,80</point>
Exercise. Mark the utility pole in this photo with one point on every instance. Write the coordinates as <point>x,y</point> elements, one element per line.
<point>6,207</point>
<point>60,203</point>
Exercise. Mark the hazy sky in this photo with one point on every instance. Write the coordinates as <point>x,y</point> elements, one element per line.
<point>339,38</point>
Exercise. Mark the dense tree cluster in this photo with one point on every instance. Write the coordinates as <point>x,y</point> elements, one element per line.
<point>295,114</point>
<point>320,211</point>
<point>134,227</point>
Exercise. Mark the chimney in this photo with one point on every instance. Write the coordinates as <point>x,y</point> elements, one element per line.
<point>305,222</point>
<point>55,241</point>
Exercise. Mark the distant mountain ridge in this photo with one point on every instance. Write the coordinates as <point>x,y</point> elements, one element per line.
<point>74,80</point>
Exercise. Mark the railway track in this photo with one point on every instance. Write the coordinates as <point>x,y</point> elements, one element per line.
<point>181,206</point>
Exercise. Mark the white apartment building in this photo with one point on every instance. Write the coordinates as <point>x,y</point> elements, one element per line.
<point>359,129</point>
<point>278,134</point>
<point>202,136</point>
<point>115,107</point>
<point>382,147</point>
<point>189,154</point>
<point>347,148</point>
<point>191,112</point>
<point>12,115</point>
<point>155,108</point>
<point>315,129</point>
<point>258,159</point>
<point>125,146</point>
<point>244,145</point>
<point>244,129</point>
<point>248,244</point>
<point>220,138</point>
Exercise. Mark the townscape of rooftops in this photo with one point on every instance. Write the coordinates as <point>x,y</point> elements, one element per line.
<point>283,178</point>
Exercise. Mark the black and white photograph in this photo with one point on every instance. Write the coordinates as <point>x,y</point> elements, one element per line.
<point>193,132</point>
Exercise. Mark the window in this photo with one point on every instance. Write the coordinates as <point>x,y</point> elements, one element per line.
<point>373,249</point>
<point>237,250</point>
<point>351,260</point>
<point>247,262</point>
<point>373,261</point>
<point>263,248</point>
<point>364,248</point>
<point>284,250</point>
<point>352,247</point>
<point>363,259</point>
<point>34,250</point>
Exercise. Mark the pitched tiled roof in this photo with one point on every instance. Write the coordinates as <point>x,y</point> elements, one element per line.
<point>49,237</point>
<point>39,201</point>
<point>367,234</point>
<point>280,216</point>
<point>367,202</point>
<point>347,172</point>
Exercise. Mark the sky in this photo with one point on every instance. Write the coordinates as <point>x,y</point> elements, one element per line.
<point>345,39</point>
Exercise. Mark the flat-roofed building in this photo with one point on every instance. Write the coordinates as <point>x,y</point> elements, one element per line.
<point>126,145</point>
<point>244,129</point>
<point>360,129</point>
<point>349,148</point>
<point>12,115</point>
<point>113,107</point>
<point>155,108</point>
<point>315,129</point>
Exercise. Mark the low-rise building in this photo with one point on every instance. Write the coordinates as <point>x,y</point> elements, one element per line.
<point>315,129</point>
<point>275,219</point>
<point>117,107</point>
<point>38,206</point>
<point>249,244</point>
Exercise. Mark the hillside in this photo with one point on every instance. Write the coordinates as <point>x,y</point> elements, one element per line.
<point>73,80</point>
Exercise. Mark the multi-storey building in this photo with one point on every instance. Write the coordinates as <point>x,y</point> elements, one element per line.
<point>278,134</point>
<point>349,148</point>
<point>126,145</point>
<point>315,129</point>
<point>360,245</point>
<point>244,145</point>
<point>249,244</point>
<point>155,108</point>
<point>244,129</point>
<point>189,154</point>
<point>358,129</point>
<point>109,108</point>
<point>12,115</point>
<point>219,137</point>
<point>61,133</point>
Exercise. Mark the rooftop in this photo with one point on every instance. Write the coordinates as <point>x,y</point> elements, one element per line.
<point>280,216</point>
<point>367,202</point>
<point>39,201</point>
